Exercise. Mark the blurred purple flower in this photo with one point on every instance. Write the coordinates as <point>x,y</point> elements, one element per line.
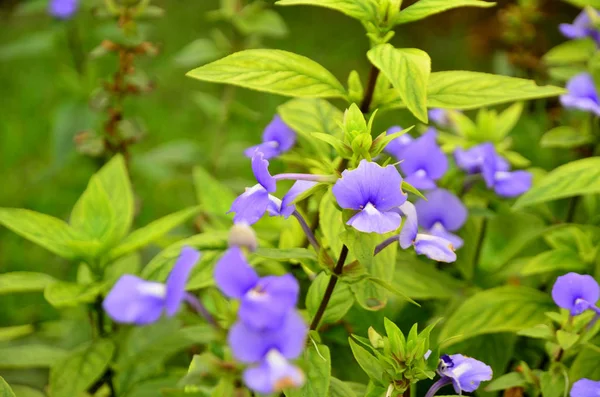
<point>424,162</point>
<point>277,138</point>
<point>133,300</point>
<point>273,374</point>
<point>398,145</point>
<point>260,168</point>
<point>582,27</point>
<point>250,345</point>
<point>484,159</point>
<point>434,247</point>
<point>576,293</point>
<point>63,9</point>
<point>441,214</point>
<point>441,117</point>
<point>585,388</point>
<point>265,301</point>
<point>375,192</point>
<point>582,94</point>
<point>465,373</point>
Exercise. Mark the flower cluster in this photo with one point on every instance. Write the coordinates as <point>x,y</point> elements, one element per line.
<point>483,159</point>
<point>133,300</point>
<point>269,330</point>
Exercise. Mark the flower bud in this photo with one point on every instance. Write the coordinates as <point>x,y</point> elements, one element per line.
<point>375,339</point>
<point>242,235</point>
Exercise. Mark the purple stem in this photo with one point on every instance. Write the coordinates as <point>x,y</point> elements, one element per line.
<point>443,381</point>
<point>199,307</point>
<point>386,242</point>
<point>305,177</point>
<point>309,234</point>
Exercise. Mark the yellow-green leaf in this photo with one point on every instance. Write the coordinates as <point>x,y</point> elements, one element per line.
<point>364,10</point>
<point>424,8</point>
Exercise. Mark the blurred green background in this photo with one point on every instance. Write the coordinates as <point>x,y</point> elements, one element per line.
<point>45,102</point>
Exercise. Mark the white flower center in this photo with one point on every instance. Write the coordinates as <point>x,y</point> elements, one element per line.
<point>501,175</point>
<point>370,209</point>
<point>157,290</point>
<point>421,173</point>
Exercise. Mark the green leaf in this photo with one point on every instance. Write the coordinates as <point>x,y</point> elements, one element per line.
<point>586,364</point>
<point>151,232</point>
<point>471,90</point>
<point>15,332</point>
<point>159,267</point>
<point>197,53</point>
<point>331,223</point>
<point>30,356</point>
<point>502,309</point>
<point>367,362</point>
<point>554,383</point>
<point>507,381</point>
<point>16,282</point>
<point>274,71</point>
<point>260,21</point>
<point>540,331</point>
<point>341,299</point>
<point>46,231</point>
<point>565,137</point>
<point>566,339</point>
<point>572,179</point>
<point>64,294</point>
<point>408,70</point>
<point>213,197</point>
<point>286,254</point>
<point>81,368</point>
<point>572,51</point>
<point>424,8</point>
<point>26,391</point>
<point>5,390</point>
<point>562,260</point>
<point>363,10</point>
<point>105,209</point>
<point>583,3</point>
<point>338,388</point>
<point>507,120</point>
<point>421,280</point>
<point>318,373</point>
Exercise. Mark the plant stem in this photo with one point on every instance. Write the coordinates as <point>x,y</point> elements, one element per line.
<point>309,234</point>
<point>199,307</point>
<point>389,241</point>
<point>572,208</point>
<point>368,98</point>
<point>100,316</point>
<point>330,287</point>
<point>482,232</point>
<point>437,386</point>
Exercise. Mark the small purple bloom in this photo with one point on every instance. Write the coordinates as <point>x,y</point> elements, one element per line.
<point>581,28</point>
<point>473,159</point>
<point>63,9</point>
<point>582,94</point>
<point>260,168</point>
<point>375,192</point>
<point>576,293</point>
<point>264,301</point>
<point>297,189</point>
<point>440,117</point>
<point>398,145</point>
<point>585,388</point>
<point>441,214</point>
<point>277,138</point>
<point>424,162</point>
<point>133,300</point>
<point>466,373</point>
<point>250,345</point>
<point>273,374</point>
<point>434,247</point>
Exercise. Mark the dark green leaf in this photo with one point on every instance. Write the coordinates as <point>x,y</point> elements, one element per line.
<point>507,381</point>
<point>337,388</point>
<point>562,260</point>
<point>318,373</point>
<point>367,362</point>
<point>213,196</point>
<point>565,137</point>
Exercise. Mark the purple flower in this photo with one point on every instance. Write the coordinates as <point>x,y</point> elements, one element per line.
<point>465,373</point>
<point>484,159</point>
<point>265,301</point>
<point>576,293</point>
<point>260,168</point>
<point>273,375</point>
<point>398,145</point>
<point>133,300</point>
<point>250,345</point>
<point>581,28</point>
<point>441,117</point>
<point>585,388</point>
<point>424,162</point>
<point>375,192</point>
<point>63,9</point>
<point>441,214</point>
<point>434,247</point>
<point>277,138</point>
<point>581,94</point>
